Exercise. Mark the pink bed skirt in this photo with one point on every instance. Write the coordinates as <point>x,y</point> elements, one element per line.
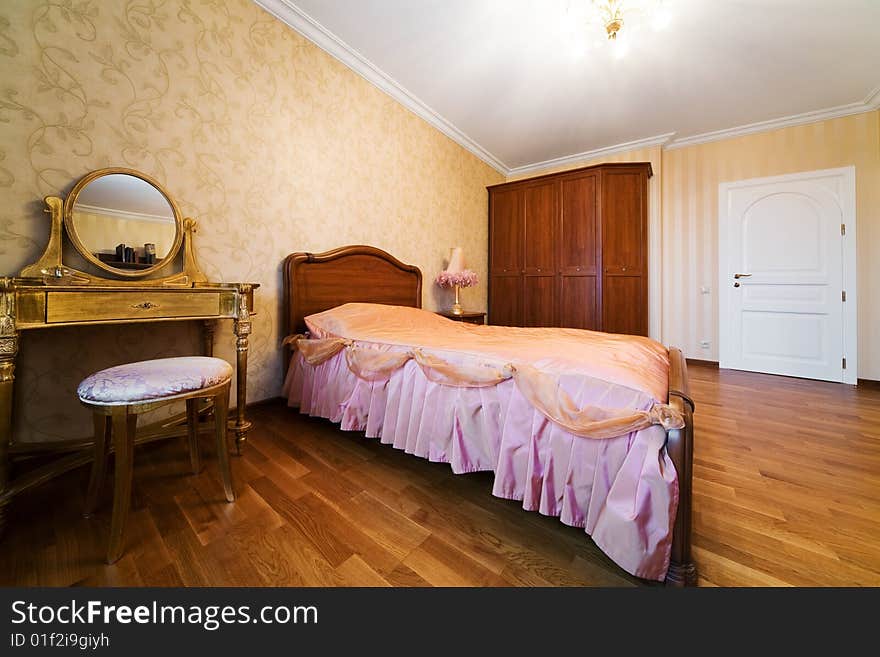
<point>622,491</point>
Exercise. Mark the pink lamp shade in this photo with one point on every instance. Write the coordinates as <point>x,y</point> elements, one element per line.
<point>456,260</point>
<point>455,275</point>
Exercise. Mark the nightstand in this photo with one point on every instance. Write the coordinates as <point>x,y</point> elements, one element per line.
<point>467,316</point>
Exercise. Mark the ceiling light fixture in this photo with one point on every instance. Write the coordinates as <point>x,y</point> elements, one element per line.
<point>613,14</point>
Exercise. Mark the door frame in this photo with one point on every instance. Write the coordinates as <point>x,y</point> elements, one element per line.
<point>848,259</point>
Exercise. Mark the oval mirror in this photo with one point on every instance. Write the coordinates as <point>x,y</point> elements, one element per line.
<point>123,221</point>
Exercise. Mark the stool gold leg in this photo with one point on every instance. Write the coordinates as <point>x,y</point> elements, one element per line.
<point>99,466</point>
<point>124,427</point>
<point>192,432</point>
<point>221,407</point>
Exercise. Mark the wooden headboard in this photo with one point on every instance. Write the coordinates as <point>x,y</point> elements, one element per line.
<point>314,282</point>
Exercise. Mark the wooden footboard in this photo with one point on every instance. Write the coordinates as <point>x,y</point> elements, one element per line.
<point>680,447</point>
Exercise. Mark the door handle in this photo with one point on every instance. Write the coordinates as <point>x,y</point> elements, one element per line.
<point>738,276</point>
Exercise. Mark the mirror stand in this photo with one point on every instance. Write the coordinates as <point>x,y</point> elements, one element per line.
<point>50,294</point>
<point>52,271</point>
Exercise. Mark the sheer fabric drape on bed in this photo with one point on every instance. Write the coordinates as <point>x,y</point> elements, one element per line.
<point>485,414</point>
<point>541,389</point>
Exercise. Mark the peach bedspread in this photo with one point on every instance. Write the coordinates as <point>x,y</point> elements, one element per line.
<point>628,360</point>
<point>622,491</point>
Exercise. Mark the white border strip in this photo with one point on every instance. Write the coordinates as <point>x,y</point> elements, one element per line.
<point>872,100</point>
<point>658,140</point>
<point>289,13</point>
<point>869,104</point>
<point>124,214</point>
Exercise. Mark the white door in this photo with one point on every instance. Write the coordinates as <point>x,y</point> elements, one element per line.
<point>787,259</point>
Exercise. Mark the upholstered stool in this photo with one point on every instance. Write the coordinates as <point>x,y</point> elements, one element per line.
<point>119,394</point>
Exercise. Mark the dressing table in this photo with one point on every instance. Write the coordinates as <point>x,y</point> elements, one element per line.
<point>163,284</point>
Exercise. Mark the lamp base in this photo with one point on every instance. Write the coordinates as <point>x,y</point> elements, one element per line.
<point>456,307</point>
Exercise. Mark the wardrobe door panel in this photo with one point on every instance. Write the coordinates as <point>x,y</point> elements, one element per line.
<point>579,253</point>
<point>578,307</point>
<point>579,225</point>
<point>505,300</point>
<point>623,223</point>
<point>539,300</point>
<point>506,231</point>
<point>623,297</point>
<point>540,206</point>
<point>624,252</point>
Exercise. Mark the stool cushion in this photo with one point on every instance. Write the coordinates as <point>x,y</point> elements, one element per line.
<point>152,380</point>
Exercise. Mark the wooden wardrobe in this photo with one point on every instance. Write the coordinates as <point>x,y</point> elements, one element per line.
<point>571,249</point>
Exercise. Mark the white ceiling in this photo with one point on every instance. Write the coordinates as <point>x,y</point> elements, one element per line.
<point>522,82</point>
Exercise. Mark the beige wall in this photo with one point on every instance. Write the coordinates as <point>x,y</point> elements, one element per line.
<point>270,143</point>
<point>686,185</point>
<point>690,220</point>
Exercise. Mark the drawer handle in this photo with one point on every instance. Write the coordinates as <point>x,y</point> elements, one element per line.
<point>146,305</point>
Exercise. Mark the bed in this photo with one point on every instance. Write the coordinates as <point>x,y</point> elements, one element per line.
<point>468,396</point>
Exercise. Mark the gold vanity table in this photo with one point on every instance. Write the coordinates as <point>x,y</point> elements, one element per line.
<point>166,287</point>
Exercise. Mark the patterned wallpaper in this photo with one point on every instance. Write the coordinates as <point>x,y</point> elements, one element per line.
<point>268,142</point>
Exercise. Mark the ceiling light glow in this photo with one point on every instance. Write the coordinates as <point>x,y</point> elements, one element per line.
<point>620,17</point>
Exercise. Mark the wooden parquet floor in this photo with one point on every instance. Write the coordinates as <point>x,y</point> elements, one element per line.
<point>787,492</point>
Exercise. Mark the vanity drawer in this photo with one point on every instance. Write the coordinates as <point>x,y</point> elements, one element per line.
<point>96,307</point>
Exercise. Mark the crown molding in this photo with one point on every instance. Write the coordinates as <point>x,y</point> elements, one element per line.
<point>872,100</point>
<point>125,214</point>
<point>869,104</point>
<point>648,142</point>
<point>287,12</point>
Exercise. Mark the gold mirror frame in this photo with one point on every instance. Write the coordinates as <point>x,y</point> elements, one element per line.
<point>50,269</point>
<point>70,202</point>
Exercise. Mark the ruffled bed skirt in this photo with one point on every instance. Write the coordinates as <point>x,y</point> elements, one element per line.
<point>622,491</point>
